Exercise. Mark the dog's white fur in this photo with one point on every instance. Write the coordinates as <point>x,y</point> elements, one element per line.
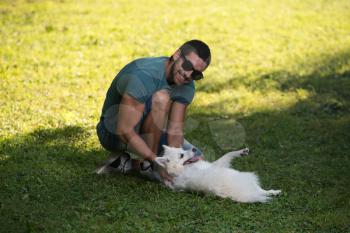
<point>216,178</point>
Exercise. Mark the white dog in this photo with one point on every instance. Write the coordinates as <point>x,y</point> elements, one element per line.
<point>192,174</point>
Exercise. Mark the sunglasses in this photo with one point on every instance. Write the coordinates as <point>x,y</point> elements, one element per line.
<point>188,66</point>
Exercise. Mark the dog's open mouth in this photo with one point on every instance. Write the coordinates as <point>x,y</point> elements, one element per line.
<point>191,160</point>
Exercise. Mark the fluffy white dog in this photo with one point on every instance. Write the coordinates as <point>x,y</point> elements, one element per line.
<point>192,174</point>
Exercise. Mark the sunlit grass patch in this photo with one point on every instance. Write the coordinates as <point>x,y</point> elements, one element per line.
<point>242,100</point>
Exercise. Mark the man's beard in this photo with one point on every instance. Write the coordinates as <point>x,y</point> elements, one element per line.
<point>170,79</point>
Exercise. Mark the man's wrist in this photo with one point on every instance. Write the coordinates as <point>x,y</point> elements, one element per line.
<point>151,157</point>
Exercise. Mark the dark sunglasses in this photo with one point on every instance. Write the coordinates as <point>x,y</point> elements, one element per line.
<point>188,66</point>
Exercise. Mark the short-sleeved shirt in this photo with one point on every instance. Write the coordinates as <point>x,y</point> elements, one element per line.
<point>140,79</point>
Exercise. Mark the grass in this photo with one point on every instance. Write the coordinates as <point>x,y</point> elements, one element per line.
<point>279,82</point>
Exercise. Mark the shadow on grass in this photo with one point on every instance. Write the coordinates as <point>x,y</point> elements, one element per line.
<point>46,182</point>
<point>57,145</point>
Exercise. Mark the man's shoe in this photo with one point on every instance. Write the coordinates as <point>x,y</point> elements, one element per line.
<point>121,163</point>
<point>149,171</point>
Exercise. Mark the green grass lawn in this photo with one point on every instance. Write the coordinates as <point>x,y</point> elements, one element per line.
<point>279,83</point>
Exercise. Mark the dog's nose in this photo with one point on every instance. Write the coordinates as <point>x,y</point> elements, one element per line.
<point>194,150</point>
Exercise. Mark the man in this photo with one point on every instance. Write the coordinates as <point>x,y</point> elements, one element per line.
<point>145,107</point>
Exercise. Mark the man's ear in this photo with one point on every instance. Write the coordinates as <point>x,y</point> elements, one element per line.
<point>161,161</point>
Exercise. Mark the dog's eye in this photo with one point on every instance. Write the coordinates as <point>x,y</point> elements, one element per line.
<point>181,156</point>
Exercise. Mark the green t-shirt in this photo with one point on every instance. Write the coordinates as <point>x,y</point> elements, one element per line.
<point>141,79</point>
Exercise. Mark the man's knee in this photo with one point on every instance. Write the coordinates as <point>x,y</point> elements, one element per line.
<point>161,101</point>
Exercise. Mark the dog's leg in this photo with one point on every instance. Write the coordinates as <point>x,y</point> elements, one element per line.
<point>273,192</point>
<point>270,192</point>
<point>169,185</point>
<point>225,160</point>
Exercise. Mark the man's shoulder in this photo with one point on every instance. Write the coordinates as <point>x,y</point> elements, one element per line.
<point>186,87</point>
<point>150,67</point>
<point>141,78</point>
<point>148,62</point>
<point>183,93</point>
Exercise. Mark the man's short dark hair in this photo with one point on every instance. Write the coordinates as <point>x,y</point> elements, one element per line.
<point>198,47</point>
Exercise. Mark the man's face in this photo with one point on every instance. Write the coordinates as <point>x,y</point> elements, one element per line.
<point>178,75</point>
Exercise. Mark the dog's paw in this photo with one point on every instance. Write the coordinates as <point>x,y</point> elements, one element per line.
<point>274,192</point>
<point>244,152</point>
<point>169,184</point>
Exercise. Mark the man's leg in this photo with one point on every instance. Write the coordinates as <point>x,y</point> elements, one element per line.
<point>155,121</point>
<point>118,160</point>
<point>150,128</point>
<point>156,113</point>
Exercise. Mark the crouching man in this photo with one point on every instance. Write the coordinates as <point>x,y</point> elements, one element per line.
<point>145,108</point>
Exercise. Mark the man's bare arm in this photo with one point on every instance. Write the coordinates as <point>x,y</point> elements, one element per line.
<point>176,124</point>
<point>130,113</point>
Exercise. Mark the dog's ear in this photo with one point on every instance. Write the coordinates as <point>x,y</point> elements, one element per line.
<point>165,147</point>
<point>161,161</point>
